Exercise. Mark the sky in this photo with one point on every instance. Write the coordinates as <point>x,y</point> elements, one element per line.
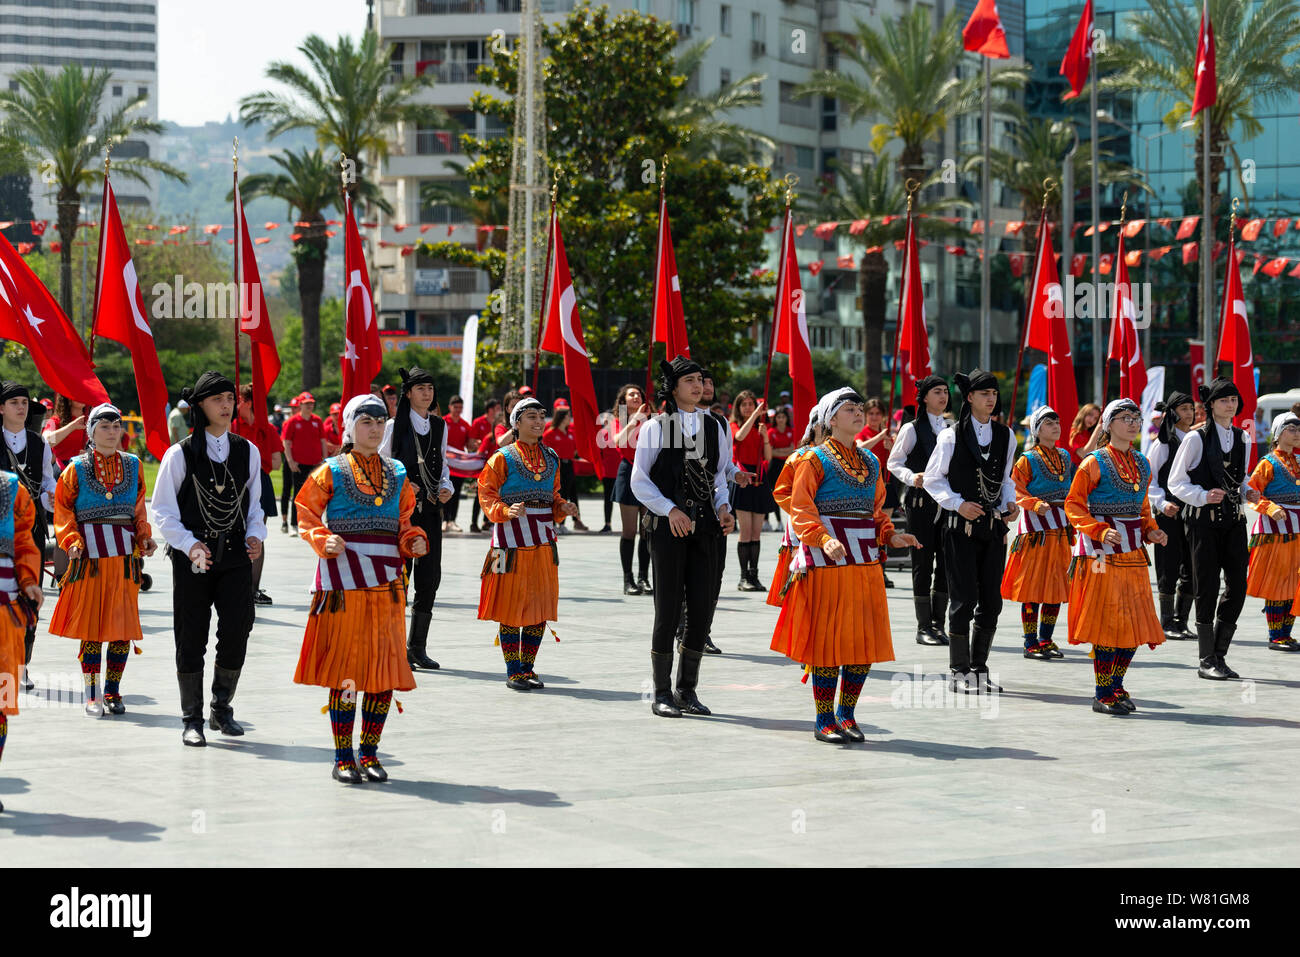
<point>211,54</point>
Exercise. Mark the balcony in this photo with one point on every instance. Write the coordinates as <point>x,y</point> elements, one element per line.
<point>437,143</point>
<point>457,71</point>
<point>796,114</point>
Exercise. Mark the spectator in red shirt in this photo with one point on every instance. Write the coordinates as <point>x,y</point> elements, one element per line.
<point>503,424</point>
<point>333,430</point>
<point>559,437</point>
<point>877,436</point>
<point>481,432</point>
<point>286,473</point>
<point>268,444</point>
<point>65,431</point>
<point>458,437</point>
<point>304,449</point>
<point>389,393</point>
<point>607,467</point>
<point>780,436</point>
<point>751,452</point>
<point>630,410</point>
<point>1082,431</point>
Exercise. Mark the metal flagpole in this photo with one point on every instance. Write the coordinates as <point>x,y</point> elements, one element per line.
<point>1207,260</point>
<point>240,226</point>
<point>986,304</point>
<point>1097,361</point>
<point>530,51</point>
<point>546,278</point>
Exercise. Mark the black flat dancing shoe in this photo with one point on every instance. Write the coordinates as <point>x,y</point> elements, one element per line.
<point>831,735</point>
<point>888,583</point>
<point>374,771</point>
<point>1053,651</point>
<point>113,704</point>
<point>193,736</point>
<point>1102,707</point>
<point>1124,701</point>
<point>348,775</point>
<point>751,584</point>
<point>1287,644</point>
<point>1037,651</point>
<point>643,583</point>
<point>284,527</point>
<point>94,708</point>
<point>851,731</point>
<point>518,683</point>
<point>630,587</point>
<point>262,598</point>
<point>533,680</point>
<point>710,648</point>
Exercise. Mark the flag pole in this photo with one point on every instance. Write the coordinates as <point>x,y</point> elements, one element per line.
<point>1098,387</point>
<point>1048,185</point>
<point>240,226</point>
<point>1207,264</point>
<point>650,356</point>
<point>911,186</point>
<point>546,277</point>
<point>791,180</point>
<point>1105,392</point>
<point>986,186</point>
<point>103,209</point>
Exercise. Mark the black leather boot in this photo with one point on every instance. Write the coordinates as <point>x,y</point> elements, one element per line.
<point>630,586</point>
<point>939,606</point>
<point>664,705</point>
<point>222,717</point>
<point>981,643</point>
<point>28,641</point>
<point>688,677</point>
<point>960,677</point>
<point>1183,602</point>
<point>643,583</point>
<point>419,641</point>
<point>1223,632</point>
<point>1167,614</point>
<point>1209,666</point>
<point>924,621</point>
<point>191,686</point>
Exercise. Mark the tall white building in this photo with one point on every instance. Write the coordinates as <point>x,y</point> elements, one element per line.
<point>115,35</point>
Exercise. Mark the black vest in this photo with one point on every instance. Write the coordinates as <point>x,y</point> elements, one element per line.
<point>926,440</point>
<point>228,550</point>
<point>688,485</point>
<point>1219,469</point>
<point>430,446</point>
<point>31,474</point>
<point>1162,476</point>
<point>964,473</point>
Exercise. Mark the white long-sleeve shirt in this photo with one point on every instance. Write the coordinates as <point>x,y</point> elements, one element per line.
<point>1157,455</point>
<point>648,446</point>
<point>903,446</point>
<point>17,442</point>
<point>936,470</point>
<point>420,423</point>
<point>1189,457</point>
<point>167,485</point>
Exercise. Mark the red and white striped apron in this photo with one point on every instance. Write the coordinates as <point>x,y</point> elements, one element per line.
<point>1030,521</point>
<point>8,581</point>
<point>368,560</point>
<point>857,533</point>
<point>1288,524</point>
<point>1130,531</point>
<point>535,527</point>
<point>107,541</point>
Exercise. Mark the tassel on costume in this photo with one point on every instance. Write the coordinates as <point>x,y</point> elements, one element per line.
<point>807,670</point>
<point>557,637</point>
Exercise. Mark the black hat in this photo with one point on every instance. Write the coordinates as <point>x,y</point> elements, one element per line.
<point>13,390</point>
<point>923,387</point>
<point>209,384</point>
<point>1220,388</point>
<point>1168,407</point>
<point>670,373</point>
<point>977,381</point>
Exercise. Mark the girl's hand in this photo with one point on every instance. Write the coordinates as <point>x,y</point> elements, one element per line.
<point>334,545</point>
<point>516,511</point>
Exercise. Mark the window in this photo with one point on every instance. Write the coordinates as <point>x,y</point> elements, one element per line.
<point>724,21</point>
<point>805,157</point>
<point>141,92</point>
<point>395,59</point>
<point>724,76</point>
<point>13,84</point>
<point>686,12</point>
<point>117,89</point>
<point>757,31</point>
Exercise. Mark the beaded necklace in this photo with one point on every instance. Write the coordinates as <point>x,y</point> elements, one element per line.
<point>108,470</point>
<point>369,465</point>
<point>850,462</point>
<point>1289,462</point>
<point>1055,465</point>
<point>1127,467</point>
<point>532,458</point>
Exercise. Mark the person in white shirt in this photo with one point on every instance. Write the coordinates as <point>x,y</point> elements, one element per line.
<point>907,460</point>
<point>678,474</point>
<point>1210,477</point>
<point>969,475</point>
<point>1174,558</point>
<point>418,439</point>
<point>207,506</point>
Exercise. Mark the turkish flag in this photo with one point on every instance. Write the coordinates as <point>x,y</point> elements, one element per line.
<point>1234,344</point>
<point>1250,231</point>
<point>670,317</point>
<point>1078,57</point>
<point>1078,262</point>
<point>1133,227</point>
<point>563,336</point>
<point>362,358</point>
<point>1187,227</point>
<point>1190,252</point>
<point>119,315</point>
<point>1124,344</point>
<point>983,32</point>
<point>913,339</point>
<point>1207,86</point>
<point>253,317</point>
<point>31,317</point>
<point>1045,328</point>
<point>790,330</point>
<point>1275,266</point>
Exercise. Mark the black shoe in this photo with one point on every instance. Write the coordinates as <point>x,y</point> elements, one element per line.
<point>1227,671</point>
<point>688,678</point>
<point>664,706</point>
<point>225,723</point>
<point>1286,644</point>
<point>831,735</point>
<point>518,683</point>
<point>751,584</point>
<point>644,584</point>
<point>851,731</point>
<point>606,530</point>
<point>191,687</point>
<point>1210,670</point>
<point>284,527</point>
<point>473,527</point>
<point>888,583</point>
<point>1223,631</point>
<point>113,704</point>
<point>985,684</point>
<point>193,736</point>
<point>262,598</point>
<point>348,775</point>
<point>28,683</point>
<point>1102,708</point>
<point>630,587</point>
<point>533,680</point>
<point>661,665</point>
<point>963,682</point>
<point>1124,701</point>
<point>710,648</point>
<point>1037,651</point>
<point>939,607</point>
<point>418,642</point>
<point>374,771</point>
<point>924,636</point>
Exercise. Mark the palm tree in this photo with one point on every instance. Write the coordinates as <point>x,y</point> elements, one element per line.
<point>908,77</point>
<point>351,100</point>
<point>55,119</point>
<point>872,194</point>
<point>709,135</point>
<point>1255,64</point>
<point>309,184</point>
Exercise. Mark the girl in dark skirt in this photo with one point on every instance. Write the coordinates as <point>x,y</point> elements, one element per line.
<point>781,437</point>
<point>751,452</point>
<point>630,408</point>
<point>879,439</point>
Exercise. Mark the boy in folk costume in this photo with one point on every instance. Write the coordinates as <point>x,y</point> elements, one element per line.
<point>418,439</point>
<point>519,489</point>
<point>100,521</point>
<point>835,618</point>
<point>781,492</point>
<point>969,475</point>
<point>207,504</point>
<point>907,461</point>
<point>27,455</point>
<point>1275,540</point>
<point>1110,587</point>
<point>1036,570</point>
<point>20,591</point>
<point>1209,476</point>
<point>355,510</point>
<point>1173,560</point>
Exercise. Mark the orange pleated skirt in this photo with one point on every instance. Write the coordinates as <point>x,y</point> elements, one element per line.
<point>1036,570</point>
<point>835,616</point>
<point>1113,608</point>
<point>104,606</point>
<point>12,652</point>
<point>362,646</point>
<point>1274,573</point>
<point>783,556</point>
<point>528,594</point>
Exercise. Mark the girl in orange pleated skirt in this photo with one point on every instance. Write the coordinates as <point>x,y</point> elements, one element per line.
<point>100,522</point>
<point>355,511</point>
<point>20,591</point>
<point>834,618</point>
<point>1274,572</point>
<point>781,493</point>
<point>1040,553</point>
<point>519,489</point>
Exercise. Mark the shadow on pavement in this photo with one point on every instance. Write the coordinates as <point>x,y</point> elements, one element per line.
<point>445,793</point>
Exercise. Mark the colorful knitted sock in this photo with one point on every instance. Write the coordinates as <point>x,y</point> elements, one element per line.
<point>509,638</point>
<point>4,732</point>
<point>823,685</point>
<point>852,677</point>
<point>1029,621</point>
<point>343,713</point>
<point>1103,666</point>
<point>118,652</point>
<point>1287,622</point>
<point>374,711</point>
<point>1047,621</point>
<point>90,660</point>
<point>1123,656</point>
<point>530,641</point>
<point>1276,613</point>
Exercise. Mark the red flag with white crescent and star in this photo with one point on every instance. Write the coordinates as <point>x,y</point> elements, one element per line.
<point>1078,58</point>
<point>669,316</point>
<point>790,330</point>
<point>1045,328</point>
<point>253,317</point>
<point>1124,343</point>
<point>983,33</point>
<point>1207,86</point>
<point>1234,342</point>
<point>362,357</point>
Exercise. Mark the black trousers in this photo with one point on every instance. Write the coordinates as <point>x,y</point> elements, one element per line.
<point>974,580</point>
<point>1174,560</point>
<point>927,561</point>
<point>230,591</point>
<point>568,482</point>
<point>286,490</point>
<point>300,475</point>
<point>721,567</point>
<point>1218,548</point>
<point>451,508</point>
<point>608,485</point>
<point>684,569</point>
<point>427,574</point>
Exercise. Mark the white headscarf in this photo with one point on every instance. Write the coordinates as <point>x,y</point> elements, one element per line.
<point>1115,408</point>
<point>1037,418</point>
<point>522,406</point>
<point>358,406</point>
<point>1281,421</point>
<point>103,411</point>
<point>830,404</point>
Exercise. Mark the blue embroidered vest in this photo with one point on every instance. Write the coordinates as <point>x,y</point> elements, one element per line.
<point>99,505</point>
<point>1283,489</point>
<point>1042,483</point>
<point>841,492</point>
<point>351,510</point>
<point>524,485</point>
<point>8,493</point>
<point>1113,495</point>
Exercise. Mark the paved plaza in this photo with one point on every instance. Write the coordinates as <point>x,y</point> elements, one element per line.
<point>581,772</point>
